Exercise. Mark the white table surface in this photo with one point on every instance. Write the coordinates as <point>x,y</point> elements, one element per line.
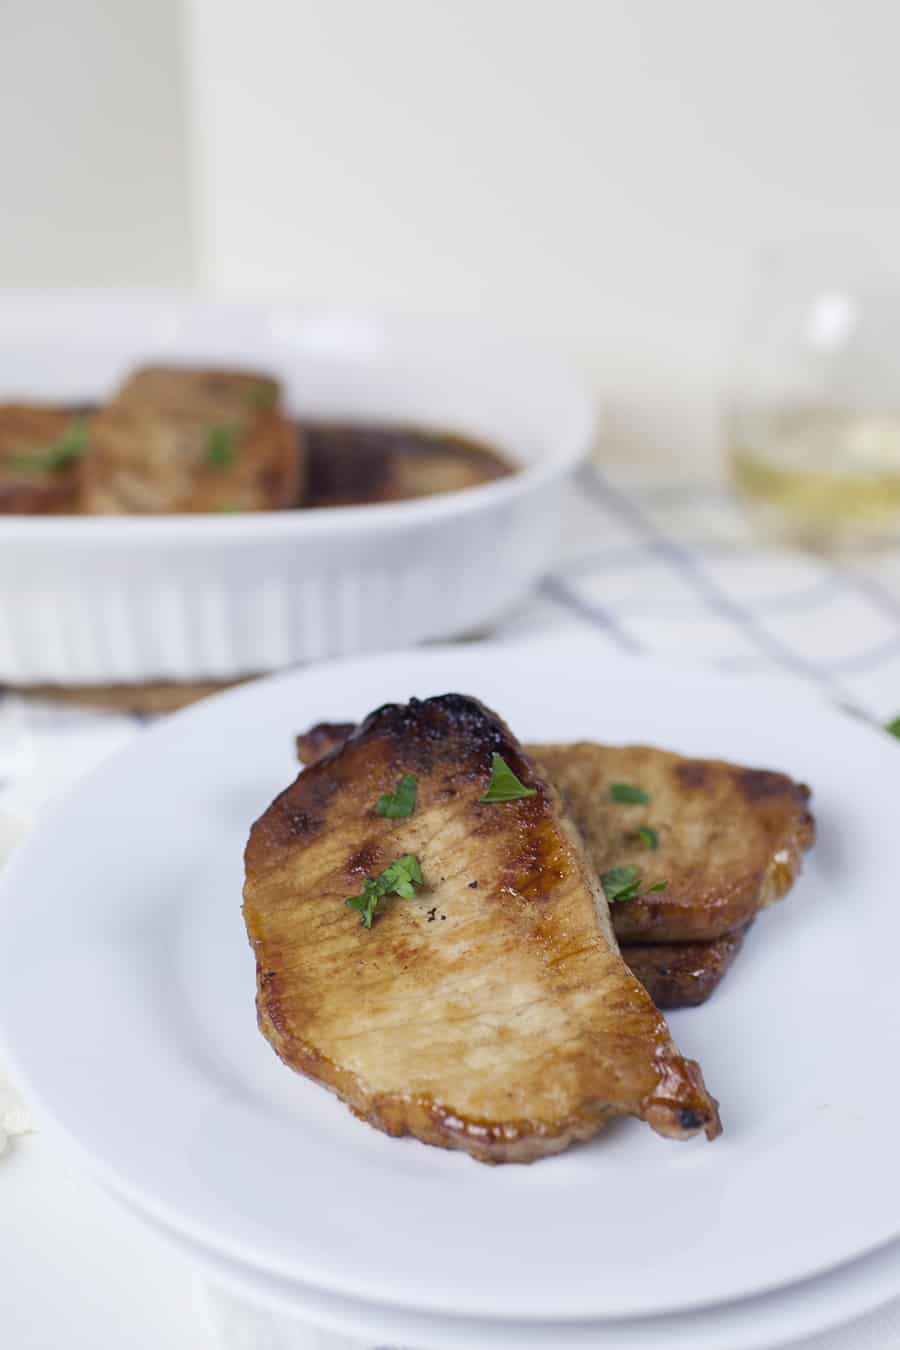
<point>654,567</point>
<point>77,1272</point>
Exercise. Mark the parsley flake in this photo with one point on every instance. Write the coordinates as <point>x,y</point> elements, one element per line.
<point>624,883</point>
<point>67,450</point>
<point>648,836</point>
<point>621,883</point>
<point>221,443</point>
<point>401,802</point>
<point>401,877</point>
<point>504,785</point>
<point>627,792</point>
<point>894,727</point>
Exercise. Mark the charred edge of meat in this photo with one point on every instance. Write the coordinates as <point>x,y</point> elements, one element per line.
<point>323,738</point>
<point>414,736</point>
<point>683,975</point>
<point>421,726</point>
<point>688,1111</point>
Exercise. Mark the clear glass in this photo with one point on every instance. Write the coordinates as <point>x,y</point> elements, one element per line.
<point>812,434</point>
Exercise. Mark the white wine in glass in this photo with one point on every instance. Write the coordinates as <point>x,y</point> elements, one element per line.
<point>813,427</point>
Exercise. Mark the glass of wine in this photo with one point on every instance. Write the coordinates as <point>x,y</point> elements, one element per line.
<point>813,419</point>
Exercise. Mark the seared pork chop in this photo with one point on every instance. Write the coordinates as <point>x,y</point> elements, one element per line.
<point>729,840</point>
<point>41,450</point>
<point>220,393</point>
<point>187,440</point>
<point>682,974</point>
<point>490,1011</point>
<point>321,739</point>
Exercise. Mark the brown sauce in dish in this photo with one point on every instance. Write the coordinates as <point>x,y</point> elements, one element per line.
<point>338,464</point>
<point>350,464</point>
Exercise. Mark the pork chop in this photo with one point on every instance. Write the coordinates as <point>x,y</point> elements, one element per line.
<point>193,440</point>
<point>217,392</point>
<point>728,840</point>
<point>41,449</point>
<point>682,974</point>
<point>488,1011</point>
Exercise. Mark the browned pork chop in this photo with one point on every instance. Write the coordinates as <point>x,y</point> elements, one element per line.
<point>491,1011</point>
<point>41,450</point>
<point>682,974</point>
<point>181,439</point>
<point>218,392</point>
<point>729,840</point>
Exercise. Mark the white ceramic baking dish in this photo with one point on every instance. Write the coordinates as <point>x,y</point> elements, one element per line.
<point>125,599</point>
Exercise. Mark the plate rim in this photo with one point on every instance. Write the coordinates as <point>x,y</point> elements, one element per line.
<point>887,1288</point>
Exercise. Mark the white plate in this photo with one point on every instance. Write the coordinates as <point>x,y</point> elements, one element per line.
<point>88,599</point>
<point>268,1307</point>
<point>126,1001</point>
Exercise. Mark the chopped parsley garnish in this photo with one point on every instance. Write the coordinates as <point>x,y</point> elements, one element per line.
<point>648,836</point>
<point>624,883</point>
<point>894,727</point>
<point>621,883</point>
<point>504,785</point>
<point>401,877</point>
<point>627,792</point>
<point>221,443</point>
<point>67,450</point>
<point>401,802</point>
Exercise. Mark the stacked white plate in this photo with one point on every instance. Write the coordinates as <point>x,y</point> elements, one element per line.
<point>126,1010</point>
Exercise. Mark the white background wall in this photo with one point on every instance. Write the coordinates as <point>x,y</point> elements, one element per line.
<point>93,181</point>
<point>596,173</point>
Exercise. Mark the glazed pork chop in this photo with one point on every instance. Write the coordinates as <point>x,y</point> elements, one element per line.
<point>183,439</point>
<point>489,1010</point>
<point>683,974</point>
<point>41,449</point>
<point>728,841</point>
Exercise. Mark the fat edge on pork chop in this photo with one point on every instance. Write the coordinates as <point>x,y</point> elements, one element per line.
<point>490,1012</point>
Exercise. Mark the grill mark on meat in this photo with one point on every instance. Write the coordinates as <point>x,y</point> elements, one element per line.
<point>758,785</point>
<point>692,773</point>
<point>365,860</point>
<point>540,860</point>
